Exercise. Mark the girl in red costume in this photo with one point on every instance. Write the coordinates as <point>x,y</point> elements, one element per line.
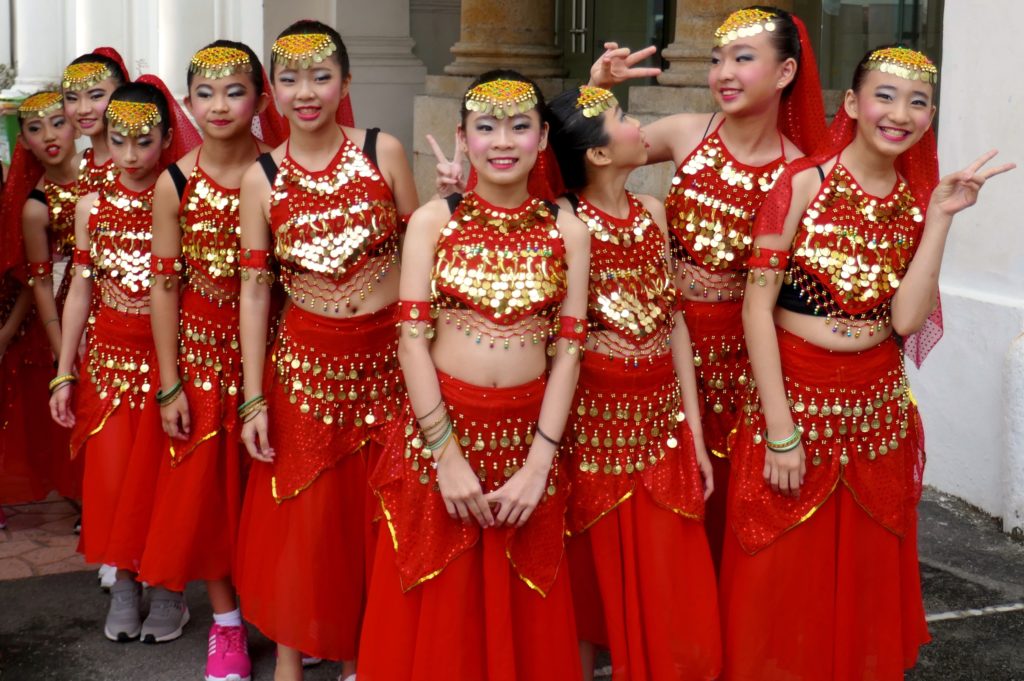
<point>820,577</point>
<point>39,202</point>
<point>764,79</point>
<point>327,206</point>
<point>115,423</point>
<point>643,580</point>
<point>196,241</point>
<point>87,84</point>
<point>472,584</point>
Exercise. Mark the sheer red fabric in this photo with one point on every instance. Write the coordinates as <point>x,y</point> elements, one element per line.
<point>802,115</point>
<point>185,137</point>
<point>111,53</point>
<point>919,166</point>
<point>22,177</point>
<point>270,126</point>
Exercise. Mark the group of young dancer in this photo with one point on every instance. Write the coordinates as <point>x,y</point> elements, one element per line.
<point>536,416</point>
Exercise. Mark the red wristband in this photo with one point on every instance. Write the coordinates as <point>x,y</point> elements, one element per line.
<point>255,259</point>
<point>81,257</point>
<point>767,258</point>
<point>414,311</point>
<point>168,266</point>
<point>40,269</point>
<point>572,329</point>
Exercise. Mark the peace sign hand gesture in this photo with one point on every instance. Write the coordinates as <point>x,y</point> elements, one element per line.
<point>449,173</point>
<point>959,190</point>
<point>618,65</point>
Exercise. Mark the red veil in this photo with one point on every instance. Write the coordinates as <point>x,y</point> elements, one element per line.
<point>115,56</point>
<point>270,126</point>
<point>22,177</point>
<point>184,136</point>
<point>802,114</point>
<point>919,166</point>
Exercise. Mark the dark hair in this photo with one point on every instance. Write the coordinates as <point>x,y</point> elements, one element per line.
<point>570,135</point>
<point>785,38</point>
<point>861,72</point>
<point>257,68</point>
<point>117,74</point>
<point>144,93</point>
<point>307,26</point>
<point>505,74</point>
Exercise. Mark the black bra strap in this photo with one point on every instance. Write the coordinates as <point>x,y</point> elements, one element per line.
<point>179,179</point>
<point>553,207</point>
<point>370,145</point>
<point>453,201</point>
<point>821,173</point>
<point>38,195</point>
<point>573,200</point>
<point>708,129</point>
<point>269,167</point>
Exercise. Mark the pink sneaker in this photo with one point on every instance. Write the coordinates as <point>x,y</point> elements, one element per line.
<point>227,657</point>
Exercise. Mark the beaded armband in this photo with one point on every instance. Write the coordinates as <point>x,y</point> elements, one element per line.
<point>38,270</point>
<point>83,259</point>
<point>574,330</point>
<point>165,266</point>
<point>764,259</point>
<point>259,260</point>
<point>414,313</point>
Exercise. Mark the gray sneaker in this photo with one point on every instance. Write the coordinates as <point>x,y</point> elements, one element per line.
<point>168,615</point>
<point>123,619</point>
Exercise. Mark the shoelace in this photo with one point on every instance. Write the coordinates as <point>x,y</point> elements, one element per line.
<point>163,605</point>
<point>232,640</point>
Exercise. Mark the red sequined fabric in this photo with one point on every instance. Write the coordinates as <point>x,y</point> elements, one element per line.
<point>120,238</point>
<point>860,428</point>
<point>494,427</point>
<point>335,230</point>
<point>92,177</point>
<point>628,429</point>
<point>210,237</point>
<point>331,385</point>
<point>61,201</point>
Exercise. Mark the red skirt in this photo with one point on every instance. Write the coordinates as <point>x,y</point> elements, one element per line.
<point>117,428</point>
<point>197,540</point>
<point>644,586</point>
<point>838,599</point>
<point>476,620</point>
<point>301,565</point>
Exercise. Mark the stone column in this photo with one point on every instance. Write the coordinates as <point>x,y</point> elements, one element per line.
<point>503,34</point>
<point>40,41</point>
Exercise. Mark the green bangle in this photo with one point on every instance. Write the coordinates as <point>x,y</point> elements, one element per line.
<point>793,438</point>
<point>165,398</point>
<point>249,403</point>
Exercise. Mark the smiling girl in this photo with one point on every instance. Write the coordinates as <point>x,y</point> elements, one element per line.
<point>114,422</point>
<point>327,206</point>
<point>820,578</point>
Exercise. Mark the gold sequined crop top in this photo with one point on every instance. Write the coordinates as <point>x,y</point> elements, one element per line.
<point>631,290</point>
<point>120,241</point>
<point>60,201</point>
<point>330,222</point>
<point>210,230</point>
<point>506,265</point>
<point>712,203</point>
<point>851,250</point>
<point>92,177</point>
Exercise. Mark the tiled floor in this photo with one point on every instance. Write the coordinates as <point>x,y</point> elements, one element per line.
<point>40,540</point>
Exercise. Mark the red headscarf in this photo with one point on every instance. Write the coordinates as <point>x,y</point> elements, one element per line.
<point>270,126</point>
<point>115,56</point>
<point>918,166</point>
<point>802,114</point>
<point>22,177</point>
<point>184,137</point>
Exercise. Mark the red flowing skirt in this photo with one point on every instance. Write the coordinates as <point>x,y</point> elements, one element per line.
<point>117,429</point>
<point>476,620</point>
<point>197,539</point>
<point>837,599</point>
<point>301,563</point>
<point>644,586</point>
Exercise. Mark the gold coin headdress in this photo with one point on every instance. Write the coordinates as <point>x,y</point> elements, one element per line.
<point>744,23</point>
<point>903,63</point>
<point>220,62</point>
<point>501,98</point>
<point>594,101</point>
<point>84,75</point>
<point>303,49</point>
<point>132,119</point>
<point>41,105</point>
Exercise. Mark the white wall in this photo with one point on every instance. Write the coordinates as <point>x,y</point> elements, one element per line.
<point>973,411</point>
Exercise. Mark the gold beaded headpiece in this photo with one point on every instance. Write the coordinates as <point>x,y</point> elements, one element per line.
<point>220,62</point>
<point>84,75</point>
<point>744,23</point>
<point>132,118</point>
<point>303,49</point>
<point>41,105</point>
<point>903,63</point>
<point>594,101</point>
<point>501,98</point>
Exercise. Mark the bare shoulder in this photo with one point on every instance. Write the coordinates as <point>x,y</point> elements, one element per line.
<point>574,232</point>
<point>429,217</point>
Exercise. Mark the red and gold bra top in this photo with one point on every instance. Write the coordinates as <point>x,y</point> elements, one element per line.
<point>631,292</point>
<point>61,201</point>
<point>210,231</point>
<point>120,240</point>
<point>92,177</point>
<point>712,202</point>
<point>331,222</point>
<point>851,251</point>
<point>508,266</point>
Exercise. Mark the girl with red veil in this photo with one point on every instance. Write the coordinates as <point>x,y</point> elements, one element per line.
<point>328,207</point>
<point>764,79</point>
<point>113,418</point>
<point>820,578</point>
<point>39,203</point>
<point>194,304</point>
<point>469,581</point>
<point>643,580</point>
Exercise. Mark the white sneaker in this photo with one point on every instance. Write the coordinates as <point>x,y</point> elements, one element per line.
<point>107,576</point>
